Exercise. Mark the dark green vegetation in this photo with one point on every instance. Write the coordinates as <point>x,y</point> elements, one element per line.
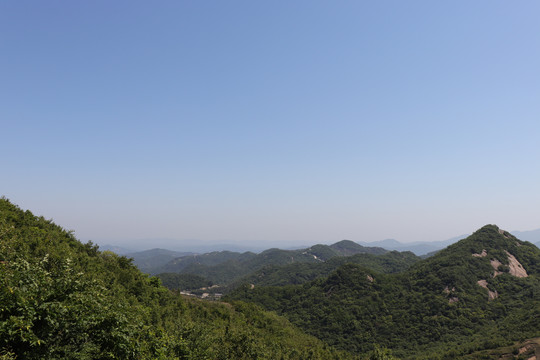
<point>61,299</point>
<point>226,267</point>
<point>299,273</point>
<point>521,350</point>
<point>437,309</point>
<point>176,281</point>
<point>348,247</point>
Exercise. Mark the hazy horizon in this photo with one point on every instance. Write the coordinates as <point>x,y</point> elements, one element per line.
<point>272,123</point>
<point>224,244</point>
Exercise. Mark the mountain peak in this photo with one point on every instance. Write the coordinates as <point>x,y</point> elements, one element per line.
<point>492,228</point>
<point>489,257</point>
<point>493,236</point>
<point>348,247</point>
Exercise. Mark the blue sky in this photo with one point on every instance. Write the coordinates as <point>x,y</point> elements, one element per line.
<point>271,123</point>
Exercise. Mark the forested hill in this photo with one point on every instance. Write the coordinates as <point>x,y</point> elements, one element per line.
<point>249,261</point>
<point>299,273</point>
<point>482,292</point>
<point>226,267</point>
<point>61,299</point>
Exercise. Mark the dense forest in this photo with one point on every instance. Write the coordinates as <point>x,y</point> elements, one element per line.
<point>62,299</point>
<point>482,292</point>
<point>228,270</point>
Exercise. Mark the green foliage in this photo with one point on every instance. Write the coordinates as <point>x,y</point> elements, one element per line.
<point>227,268</point>
<point>202,260</point>
<point>348,247</point>
<point>61,299</point>
<point>299,273</point>
<point>381,354</point>
<point>176,281</point>
<point>435,309</point>
<point>54,312</point>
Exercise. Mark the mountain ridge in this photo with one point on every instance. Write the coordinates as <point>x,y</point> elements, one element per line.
<point>226,267</point>
<point>469,292</point>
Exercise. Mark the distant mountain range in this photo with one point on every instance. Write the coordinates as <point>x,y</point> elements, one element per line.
<point>423,248</point>
<point>195,246</point>
<point>530,236</point>
<point>418,247</point>
<point>116,249</point>
<point>150,259</point>
<point>224,267</point>
<point>227,266</point>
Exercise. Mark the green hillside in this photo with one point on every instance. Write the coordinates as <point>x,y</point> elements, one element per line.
<point>225,267</point>
<point>299,273</point>
<point>208,259</point>
<point>471,296</point>
<point>175,281</point>
<point>61,299</point>
<point>348,247</point>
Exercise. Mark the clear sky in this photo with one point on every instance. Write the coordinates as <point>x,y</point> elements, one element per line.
<point>271,123</point>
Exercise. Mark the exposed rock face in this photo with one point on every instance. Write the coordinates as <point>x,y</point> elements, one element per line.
<point>492,295</point>
<point>448,291</point>
<point>496,263</point>
<point>483,254</point>
<point>482,283</point>
<point>504,233</point>
<point>516,268</point>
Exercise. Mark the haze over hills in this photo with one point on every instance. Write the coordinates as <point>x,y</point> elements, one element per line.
<point>418,247</point>
<point>188,246</point>
<point>149,259</point>
<point>119,250</point>
<point>531,235</point>
<point>161,260</point>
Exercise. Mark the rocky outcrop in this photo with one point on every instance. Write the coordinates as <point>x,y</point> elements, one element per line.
<point>482,254</point>
<point>492,295</point>
<point>516,268</point>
